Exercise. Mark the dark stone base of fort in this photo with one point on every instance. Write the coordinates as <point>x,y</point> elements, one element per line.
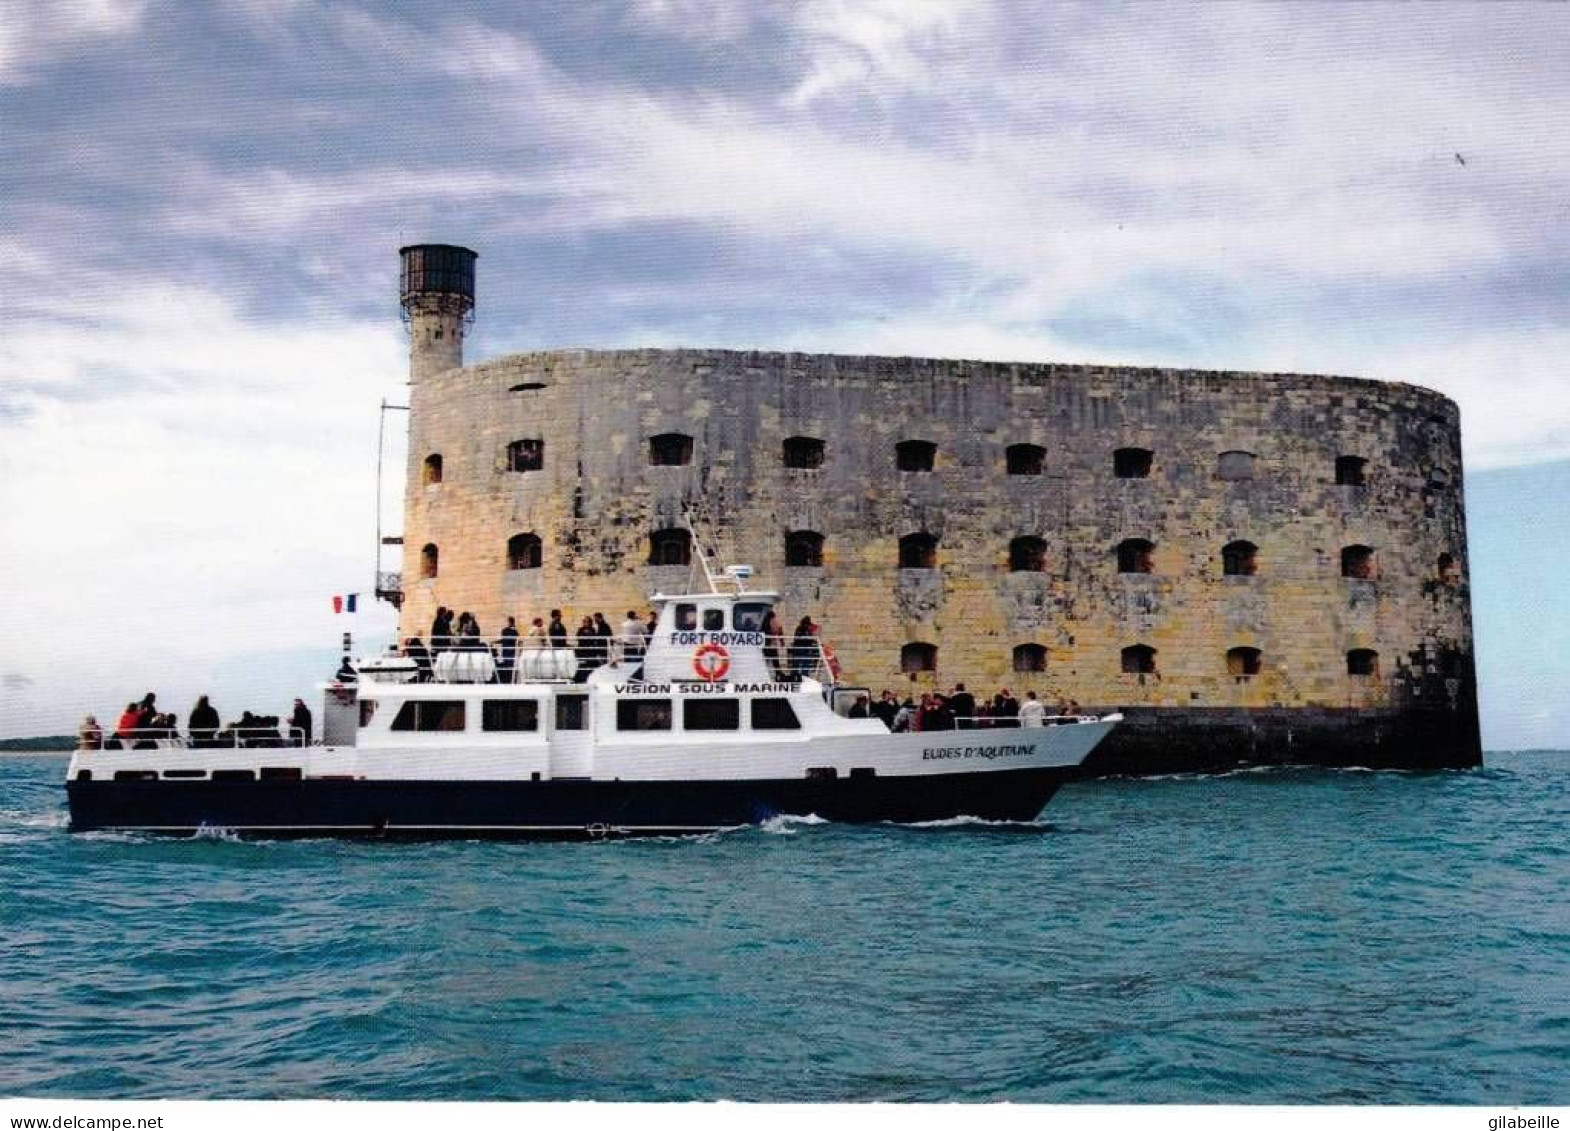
<point>1165,740</point>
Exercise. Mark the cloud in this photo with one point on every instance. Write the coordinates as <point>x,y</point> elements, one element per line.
<point>36,33</point>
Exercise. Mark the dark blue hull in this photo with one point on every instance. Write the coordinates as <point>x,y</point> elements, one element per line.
<point>509,809</point>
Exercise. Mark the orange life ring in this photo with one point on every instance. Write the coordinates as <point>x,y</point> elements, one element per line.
<point>711,662</point>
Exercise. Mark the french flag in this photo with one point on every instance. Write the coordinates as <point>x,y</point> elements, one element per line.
<point>345,604</point>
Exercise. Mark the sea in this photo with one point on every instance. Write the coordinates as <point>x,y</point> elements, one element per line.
<point>1296,936</point>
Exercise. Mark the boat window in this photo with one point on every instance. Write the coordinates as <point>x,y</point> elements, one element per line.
<point>711,714</point>
<point>643,714</point>
<point>368,711</point>
<point>84,775</point>
<point>510,714</point>
<point>822,772</point>
<point>686,618</point>
<point>570,713</point>
<point>713,620</point>
<point>136,775</point>
<point>434,714</point>
<point>185,774</point>
<point>279,773</point>
<point>748,617</point>
<point>234,775</point>
<point>863,771</point>
<point>774,714</point>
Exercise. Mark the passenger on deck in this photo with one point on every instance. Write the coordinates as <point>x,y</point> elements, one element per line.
<point>962,707</point>
<point>300,724</point>
<point>441,631</point>
<point>203,723</point>
<point>508,651</point>
<point>90,736</point>
<point>468,634</point>
<point>414,648</point>
<point>905,717</point>
<point>587,647</point>
<point>886,709</point>
<point>860,708</point>
<point>603,629</point>
<point>535,637</point>
<point>125,729</point>
<point>774,644</point>
<point>633,637</point>
<point>804,648</point>
<point>1031,712</point>
<point>556,632</point>
<point>346,672</point>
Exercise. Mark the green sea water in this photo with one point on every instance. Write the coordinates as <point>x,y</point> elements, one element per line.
<point>1278,936</point>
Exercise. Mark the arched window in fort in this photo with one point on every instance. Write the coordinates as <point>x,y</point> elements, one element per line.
<point>1449,573</point>
<point>670,547</point>
<point>803,452</point>
<point>526,455</point>
<point>918,657</point>
<point>432,471</point>
<point>1139,659</point>
<point>1136,555</point>
<point>1025,459</point>
<point>1350,471</point>
<point>918,551</point>
<point>914,455</point>
<point>1240,559</point>
<point>1362,661</point>
<point>803,548</point>
<point>429,560</point>
<point>1132,463</point>
<point>1235,466</point>
<point>1243,662</point>
<point>1027,554</point>
<point>1030,658</point>
<point>523,551</point>
<point>670,449</point>
<point>1358,562</point>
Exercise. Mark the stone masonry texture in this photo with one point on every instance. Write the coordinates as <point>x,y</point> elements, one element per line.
<point>596,500</point>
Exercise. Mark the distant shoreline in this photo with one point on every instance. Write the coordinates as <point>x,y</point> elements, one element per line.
<point>40,744</point>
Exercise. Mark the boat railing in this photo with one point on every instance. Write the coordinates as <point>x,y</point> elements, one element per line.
<point>987,722</point>
<point>170,738</point>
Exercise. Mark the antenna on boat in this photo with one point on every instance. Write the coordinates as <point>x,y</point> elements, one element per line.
<point>734,575</point>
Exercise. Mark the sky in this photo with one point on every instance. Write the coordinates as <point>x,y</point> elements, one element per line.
<point>201,204</point>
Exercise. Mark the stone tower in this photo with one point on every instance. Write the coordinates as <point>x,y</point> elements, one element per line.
<point>437,294</point>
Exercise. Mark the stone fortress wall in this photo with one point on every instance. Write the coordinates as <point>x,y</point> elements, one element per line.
<point>1083,531</point>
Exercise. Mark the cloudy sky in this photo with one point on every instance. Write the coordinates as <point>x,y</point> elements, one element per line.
<point>200,206</point>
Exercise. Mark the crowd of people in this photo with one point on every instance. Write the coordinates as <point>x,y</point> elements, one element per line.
<point>594,643</point>
<point>959,709</point>
<point>142,725</point>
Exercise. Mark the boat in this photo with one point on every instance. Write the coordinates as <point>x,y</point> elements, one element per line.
<point>706,724</point>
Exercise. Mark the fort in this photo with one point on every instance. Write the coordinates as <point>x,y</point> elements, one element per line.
<point>1254,567</point>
